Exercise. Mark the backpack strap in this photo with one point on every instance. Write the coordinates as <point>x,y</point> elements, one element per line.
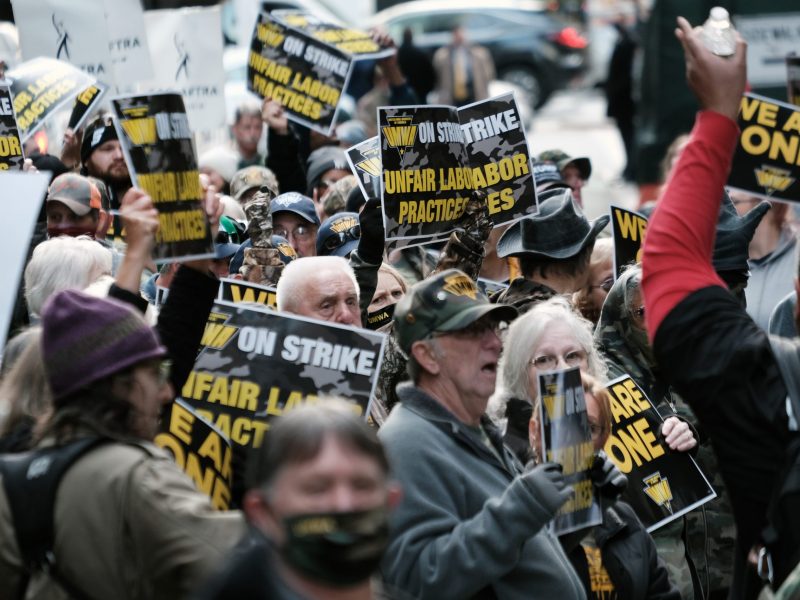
<point>31,481</point>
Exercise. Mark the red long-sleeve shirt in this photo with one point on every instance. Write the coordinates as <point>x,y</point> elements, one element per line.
<point>680,236</point>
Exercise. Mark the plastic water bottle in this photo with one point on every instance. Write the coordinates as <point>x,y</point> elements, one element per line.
<point>719,36</point>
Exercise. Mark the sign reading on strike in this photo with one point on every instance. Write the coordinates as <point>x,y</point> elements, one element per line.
<point>11,154</point>
<point>767,159</point>
<point>257,364</point>
<point>433,157</point>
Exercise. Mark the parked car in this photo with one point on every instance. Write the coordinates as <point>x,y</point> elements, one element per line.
<point>531,47</point>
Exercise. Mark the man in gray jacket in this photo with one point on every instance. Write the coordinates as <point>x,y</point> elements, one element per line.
<point>471,523</point>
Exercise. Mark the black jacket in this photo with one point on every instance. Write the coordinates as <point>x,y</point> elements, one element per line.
<point>629,556</point>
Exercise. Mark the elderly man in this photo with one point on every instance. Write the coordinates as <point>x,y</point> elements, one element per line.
<point>321,287</point>
<point>295,218</point>
<point>471,523</point>
<point>320,491</point>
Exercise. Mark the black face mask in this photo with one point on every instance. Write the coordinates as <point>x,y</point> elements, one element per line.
<point>381,317</point>
<point>340,549</point>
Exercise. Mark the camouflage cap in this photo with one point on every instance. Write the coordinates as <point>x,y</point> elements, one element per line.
<point>447,301</point>
<point>562,159</point>
<point>253,177</point>
<point>77,192</point>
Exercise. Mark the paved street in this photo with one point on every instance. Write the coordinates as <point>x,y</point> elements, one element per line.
<point>575,122</point>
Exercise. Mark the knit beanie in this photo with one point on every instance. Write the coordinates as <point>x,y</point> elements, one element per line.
<point>85,339</point>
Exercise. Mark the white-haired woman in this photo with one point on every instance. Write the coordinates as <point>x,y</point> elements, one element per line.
<point>549,336</point>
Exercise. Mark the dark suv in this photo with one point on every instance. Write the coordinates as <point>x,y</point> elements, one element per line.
<point>531,47</point>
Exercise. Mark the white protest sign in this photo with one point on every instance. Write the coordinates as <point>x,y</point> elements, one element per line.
<point>769,37</point>
<point>74,32</point>
<point>186,50</point>
<point>24,194</point>
<point>128,42</point>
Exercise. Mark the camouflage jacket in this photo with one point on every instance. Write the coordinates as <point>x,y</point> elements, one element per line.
<point>627,351</point>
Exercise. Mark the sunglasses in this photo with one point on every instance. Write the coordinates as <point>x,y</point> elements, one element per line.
<point>335,240</point>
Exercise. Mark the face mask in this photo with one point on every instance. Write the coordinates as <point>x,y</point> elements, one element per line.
<point>340,549</point>
<point>53,232</point>
<point>380,318</point>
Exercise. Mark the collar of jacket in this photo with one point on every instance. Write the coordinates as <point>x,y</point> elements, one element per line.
<point>612,525</point>
<point>417,401</point>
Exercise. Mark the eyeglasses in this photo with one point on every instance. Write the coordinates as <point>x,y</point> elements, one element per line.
<point>164,372</point>
<point>638,312</point>
<point>605,285</point>
<point>334,240</point>
<point>301,232</point>
<point>548,362</point>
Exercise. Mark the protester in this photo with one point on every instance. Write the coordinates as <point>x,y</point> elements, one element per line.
<point>773,257</point>
<point>622,337</point>
<point>325,166</point>
<point>471,522</point>
<point>101,156</point>
<point>74,207</point>
<point>574,170</point>
<point>549,336</point>
<point>247,129</point>
<point>463,70</point>
<point>24,391</point>
<point>321,287</point>
<point>249,180</point>
<point>63,263</point>
<point>390,289</point>
<point>336,199</point>
<point>618,556</point>
<point>295,218</point>
<point>220,164</point>
<point>554,248</point>
<point>338,235</point>
<point>417,66</point>
<point>589,300</point>
<point>708,347</point>
<point>318,502</point>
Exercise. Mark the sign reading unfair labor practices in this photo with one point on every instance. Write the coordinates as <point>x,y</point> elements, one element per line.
<point>304,64</point>
<point>257,364</point>
<point>426,181</point>
<point>74,32</point>
<point>567,440</point>
<point>40,87</point>
<point>157,142</point>
<point>499,157</point>
<point>767,160</point>
<point>85,103</point>
<point>662,485</point>
<point>239,292</point>
<point>11,155</point>
<point>200,449</point>
<point>628,229</point>
<point>186,58</point>
<point>365,162</point>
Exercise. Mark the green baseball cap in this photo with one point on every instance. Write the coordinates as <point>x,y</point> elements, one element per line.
<point>562,159</point>
<point>447,301</point>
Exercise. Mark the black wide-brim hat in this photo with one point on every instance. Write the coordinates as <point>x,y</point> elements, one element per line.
<point>560,230</point>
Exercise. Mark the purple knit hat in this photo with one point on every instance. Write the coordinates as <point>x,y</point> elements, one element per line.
<point>85,339</point>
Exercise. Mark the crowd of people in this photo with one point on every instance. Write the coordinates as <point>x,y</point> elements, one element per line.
<point>445,491</point>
